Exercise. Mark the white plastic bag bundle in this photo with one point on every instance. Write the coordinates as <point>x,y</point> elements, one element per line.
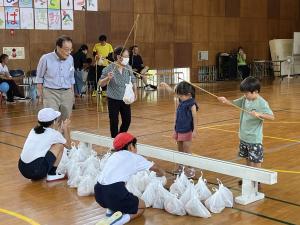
<point>63,164</point>
<point>183,178</point>
<point>174,206</point>
<point>129,94</point>
<point>74,176</point>
<point>132,186</point>
<point>86,186</point>
<point>226,194</point>
<point>202,189</point>
<point>104,160</point>
<point>189,193</point>
<point>161,195</point>
<point>153,177</point>
<point>141,180</point>
<point>91,166</point>
<point>215,203</point>
<point>179,185</point>
<point>83,151</point>
<point>195,208</point>
<point>150,194</point>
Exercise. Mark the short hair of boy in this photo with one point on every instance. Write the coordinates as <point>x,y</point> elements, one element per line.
<point>102,38</point>
<point>250,84</point>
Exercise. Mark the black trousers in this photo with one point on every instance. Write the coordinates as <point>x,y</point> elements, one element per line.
<point>245,70</point>
<point>114,108</point>
<point>13,89</point>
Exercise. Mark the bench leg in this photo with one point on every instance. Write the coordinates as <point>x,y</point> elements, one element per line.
<point>249,193</point>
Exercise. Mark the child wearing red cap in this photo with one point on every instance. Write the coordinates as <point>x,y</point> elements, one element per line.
<point>110,190</point>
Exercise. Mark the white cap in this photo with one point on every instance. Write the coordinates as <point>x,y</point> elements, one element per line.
<point>48,114</point>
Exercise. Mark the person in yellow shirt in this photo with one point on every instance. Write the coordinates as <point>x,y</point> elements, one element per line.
<point>101,52</point>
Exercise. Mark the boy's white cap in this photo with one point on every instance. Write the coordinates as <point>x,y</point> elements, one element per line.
<point>48,114</point>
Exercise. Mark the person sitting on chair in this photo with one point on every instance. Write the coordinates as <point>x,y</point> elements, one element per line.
<point>136,62</point>
<point>242,65</point>
<point>6,77</point>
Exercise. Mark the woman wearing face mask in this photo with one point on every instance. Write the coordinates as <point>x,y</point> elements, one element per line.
<point>116,76</point>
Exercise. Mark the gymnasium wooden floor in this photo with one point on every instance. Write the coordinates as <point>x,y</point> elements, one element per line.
<point>152,122</point>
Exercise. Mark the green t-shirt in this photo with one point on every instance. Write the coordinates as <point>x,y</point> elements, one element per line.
<point>240,60</point>
<point>251,128</point>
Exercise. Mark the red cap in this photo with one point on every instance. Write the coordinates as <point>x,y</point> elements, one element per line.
<point>121,140</point>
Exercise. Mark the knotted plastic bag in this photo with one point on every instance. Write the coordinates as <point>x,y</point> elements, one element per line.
<point>226,194</point>
<point>150,194</point>
<point>215,203</point>
<point>83,152</point>
<point>74,175</point>
<point>174,206</point>
<point>161,195</point>
<point>86,186</point>
<point>132,186</point>
<point>179,185</point>
<point>63,164</point>
<point>129,94</point>
<point>202,189</point>
<point>104,160</point>
<point>91,166</point>
<point>189,193</point>
<point>195,208</point>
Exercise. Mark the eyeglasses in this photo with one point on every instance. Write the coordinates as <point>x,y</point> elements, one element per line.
<point>67,49</point>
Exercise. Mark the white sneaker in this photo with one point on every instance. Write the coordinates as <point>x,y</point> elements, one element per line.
<point>55,177</point>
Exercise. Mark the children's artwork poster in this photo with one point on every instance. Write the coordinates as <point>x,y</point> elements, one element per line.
<point>79,5</point>
<point>12,18</point>
<point>14,52</point>
<point>25,4</point>
<point>41,19</point>
<point>27,18</point>
<point>40,4</point>
<point>66,4</point>
<point>14,3</point>
<point>2,18</point>
<point>54,19</point>
<point>54,4</point>
<point>67,19</point>
<point>91,5</point>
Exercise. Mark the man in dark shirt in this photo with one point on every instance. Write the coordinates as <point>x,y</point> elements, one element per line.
<point>137,64</point>
<point>79,59</point>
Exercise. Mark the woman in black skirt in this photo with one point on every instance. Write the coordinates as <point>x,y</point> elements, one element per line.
<point>110,190</point>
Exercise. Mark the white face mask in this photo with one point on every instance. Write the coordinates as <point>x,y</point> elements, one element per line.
<point>125,61</point>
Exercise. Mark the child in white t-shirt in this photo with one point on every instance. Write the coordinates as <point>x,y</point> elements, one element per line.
<point>110,190</point>
<point>44,147</point>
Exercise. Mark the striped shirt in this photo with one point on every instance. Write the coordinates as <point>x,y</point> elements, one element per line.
<point>116,86</point>
<point>55,73</point>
